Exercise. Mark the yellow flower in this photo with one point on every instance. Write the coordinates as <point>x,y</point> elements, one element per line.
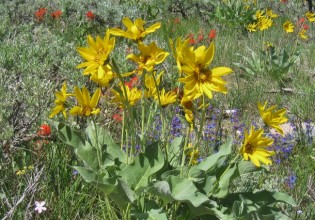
<point>192,154</point>
<point>246,7</point>
<point>187,103</point>
<point>268,44</point>
<point>271,117</point>
<point>150,85</point>
<point>199,78</point>
<point>135,31</point>
<point>271,14</point>
<point>252,27</point>
<point>60,102</point>
<point>264,23</point>
<point>302,34</point>
<point>133,96</point>
<point>182,48</point>
<point>96,54</point>
<point>259,14</point>
<point>149,57</point>
<point>310,16</point>
<point>87,105</point>
<point>20,172</point>
<point>189,116</point>
<point>166,98</point>
<point>103,75</point>
<point>254,146</point>
<point>288,26</point>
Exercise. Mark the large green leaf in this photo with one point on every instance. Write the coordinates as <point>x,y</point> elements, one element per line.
<point>262,197</point>
<point>156,214</point>
<point>222,188</point>
<point>69,135</point>
<point>210,163</point>
<point>174,151</point>
<point>271,197</point>
<point>116,188</point>
<point>209,210</point>
<point>184,190</point>
<point>137,174</point>
<point>244,167</point>
<point>161,189</point>
<point>234,171</point>
<point>107,185</point>
<point>84,151</point>
<point>152,214</point>
<point>197,175</point>
<point>179,189</point>
<point>123,195</point>
<point>105,141</point>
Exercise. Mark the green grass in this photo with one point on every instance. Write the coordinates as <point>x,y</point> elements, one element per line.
<point>37,57</point>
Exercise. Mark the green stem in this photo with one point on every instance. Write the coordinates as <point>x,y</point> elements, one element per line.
<point>142,124</point>
<point>122,131</point>
<point>162,118</point>
<point>127,212</point>
<point>225,171</point>
<point>99,155</point>
<point>127,147</point>
<point>126,103</point>
<point>202,120</point>
<point>183,152</point>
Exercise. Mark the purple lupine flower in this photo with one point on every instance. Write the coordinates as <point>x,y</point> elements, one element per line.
<point>176,127</point>
<point>291,180</point>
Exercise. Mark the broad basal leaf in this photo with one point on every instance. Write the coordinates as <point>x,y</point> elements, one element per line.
<point>184,190</point>
<point>209,163</point>
<point>105,141</point>
<point>137,174</point>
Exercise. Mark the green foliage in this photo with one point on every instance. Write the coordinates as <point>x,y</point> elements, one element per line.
<point>149,174</point>
<point>270,62</point>
<point>232,13</point>
<point>279,62</point>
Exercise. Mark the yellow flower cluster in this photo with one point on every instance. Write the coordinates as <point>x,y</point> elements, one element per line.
<point>301,26</point>
<point>288,27</point>
<point>271,117</point>
<point>254,145</point>
<point>310,16</point>
<point>263,20</point>
<point>98,66</point>
<point>199,80</point>
<point>86,105</point>
<point>24,170</point>
<point>96,56</point>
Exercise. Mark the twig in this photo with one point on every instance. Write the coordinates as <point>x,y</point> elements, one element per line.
<point>31,188</point>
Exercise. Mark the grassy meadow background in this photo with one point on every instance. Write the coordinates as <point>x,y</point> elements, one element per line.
<point>38,55</point>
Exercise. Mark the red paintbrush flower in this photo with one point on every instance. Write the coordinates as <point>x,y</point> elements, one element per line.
<point>132,82</point>
<point>306,27</point>
<point>44,130</point>
<point>90,15</point>
<point>40,13</point>
<point>191,39</point>
<point>212,34</point>
<point>56,14</point>
<point>300,22</point>
<point>200,37</point>
<point>117,117</point>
